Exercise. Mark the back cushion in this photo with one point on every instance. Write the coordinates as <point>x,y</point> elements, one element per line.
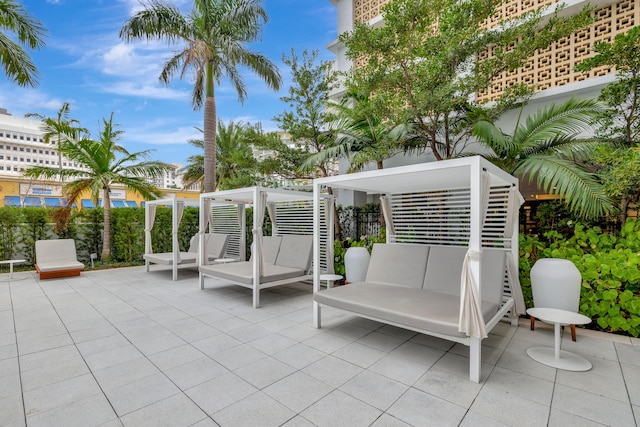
<point>493,272</point>
<point>398,264</point>
<point>194,243</point>
<point>295,251</point>
<point>270,248</point>
<point>56,250</point>
<point>444,269</point>
<point>216,244</point>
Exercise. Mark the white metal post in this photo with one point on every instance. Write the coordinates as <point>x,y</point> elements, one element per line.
<point>255,254</point>
<point>316,252</point>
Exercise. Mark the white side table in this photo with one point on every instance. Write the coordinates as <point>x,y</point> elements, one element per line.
<point>330,278</point>
<point>555,357</point>
<point>11,262</point>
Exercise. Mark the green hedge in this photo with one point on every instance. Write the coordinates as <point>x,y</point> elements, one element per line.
<point>608,263</point>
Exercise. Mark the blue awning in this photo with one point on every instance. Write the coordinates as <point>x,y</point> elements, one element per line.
<point>144,204</point>
<point>32,201</point>
<point>100,202</point>
<point>118,204</point>
<point>12,201</point>
<point>132,204</point>
<point>87,203</point>
<point>52,202</point>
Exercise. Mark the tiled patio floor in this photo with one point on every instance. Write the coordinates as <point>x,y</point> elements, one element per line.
<point>125,347</point>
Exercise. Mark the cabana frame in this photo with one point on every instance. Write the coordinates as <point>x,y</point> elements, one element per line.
<point>443,204</point>
<point>177,206</point>
<point>291,213</point>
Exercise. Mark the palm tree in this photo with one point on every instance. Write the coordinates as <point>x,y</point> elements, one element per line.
<point>215,36</point>
<point>235,161</point>
<point>54,128</point>
<point>546,147</point>
<point>360,135</point>
<point>30,32</point>
<point>100,168</point>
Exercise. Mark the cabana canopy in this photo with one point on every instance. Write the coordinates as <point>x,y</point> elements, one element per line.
<point>465,203</point>
<point>288,259</point>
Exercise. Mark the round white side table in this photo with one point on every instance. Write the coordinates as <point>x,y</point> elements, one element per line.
<point>555,357</point>
<point>11,262</point>
<point>330,278</point>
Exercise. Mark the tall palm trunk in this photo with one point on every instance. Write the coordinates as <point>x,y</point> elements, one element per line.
<point>209,133</point>
<point>106,237</point>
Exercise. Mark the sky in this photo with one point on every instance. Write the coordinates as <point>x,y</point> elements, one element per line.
<point>86,64</point>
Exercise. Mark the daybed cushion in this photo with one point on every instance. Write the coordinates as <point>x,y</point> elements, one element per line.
<point>167,258</point>
<point>398,264</point>
<point>295,252</point>
<point>216,245</point>
<point>270,248</point>
<point>242,272</point>
<point>56,255</point>
<point>416,308</point>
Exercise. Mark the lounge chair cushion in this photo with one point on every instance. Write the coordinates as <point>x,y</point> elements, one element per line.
<point>415,308</point>
<point>167,258</point>
<point>270,248</point>
<point>444,269</point>
<point>216,245</point>
<point>242,272</point>
<point>398,264</point>
<point>295,252</point>
<point>57,255</point>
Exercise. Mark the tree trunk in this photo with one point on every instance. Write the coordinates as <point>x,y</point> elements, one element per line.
<point>624,206</point>
<point>209,133</point>
<point>106,235</point>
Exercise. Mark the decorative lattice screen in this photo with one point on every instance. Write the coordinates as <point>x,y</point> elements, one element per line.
<point>554,66</point>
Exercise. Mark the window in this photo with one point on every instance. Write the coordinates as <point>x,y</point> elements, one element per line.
<point>15,159</point>
<point>64,164</point>
<point>1,157</point>
<point>28,160</point>
<point>15,169</point>
<point>1,146</point>
<point>28,150</point>
<point>1,168</point>
<point>22,137</point>
<point>47,162</point>
<point>15,148</point>
<point>40,153</point>
<point>40,139</point>
<point>40,161</point>
<point>15,136</point>
<point>21,148</point>
<point>22,159</point>
<point>28,138</point>
<point>46,152</point>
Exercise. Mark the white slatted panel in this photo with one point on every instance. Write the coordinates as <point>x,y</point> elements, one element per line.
<point>224,219</point>
<point>443,217</point>
<point>297,218</point>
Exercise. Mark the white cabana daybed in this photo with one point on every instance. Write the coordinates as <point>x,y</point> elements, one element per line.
<point>216,243</point>
<point>449,267</point>
<point>285,257</point>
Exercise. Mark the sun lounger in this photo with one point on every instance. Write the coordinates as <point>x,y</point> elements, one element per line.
<point>57,258</point>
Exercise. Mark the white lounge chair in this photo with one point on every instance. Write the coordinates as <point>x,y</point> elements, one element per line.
<point>216,246</point>
<point>57,258</point>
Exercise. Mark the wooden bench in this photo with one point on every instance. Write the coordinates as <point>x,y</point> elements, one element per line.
<point>417,287</point>
<point>57,258</point>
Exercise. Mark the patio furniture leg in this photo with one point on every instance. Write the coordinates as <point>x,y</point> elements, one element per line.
<point>256,296</point>
<point>573,333</point>
<point>201,280</point>
<point>533,323</point>
<point>316,315</point>
<point>474,359</point>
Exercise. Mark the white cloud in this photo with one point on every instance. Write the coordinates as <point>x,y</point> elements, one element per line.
<point>143,90</point>
<point>20,101</point>
<point>157,133</point>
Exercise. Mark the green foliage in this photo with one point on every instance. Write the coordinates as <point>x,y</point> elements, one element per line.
<point>127,232</point>
<point>340,248</point>
<point>9,226</point>
<point>35,227</point>
<point>608,264</point>
<point>90,226</point>
<point>425,63</point>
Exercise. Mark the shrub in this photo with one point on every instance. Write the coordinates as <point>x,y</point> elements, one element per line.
<point>608,264</point>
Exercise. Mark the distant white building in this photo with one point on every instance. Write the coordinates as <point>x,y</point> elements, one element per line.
<point>22,146</point>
